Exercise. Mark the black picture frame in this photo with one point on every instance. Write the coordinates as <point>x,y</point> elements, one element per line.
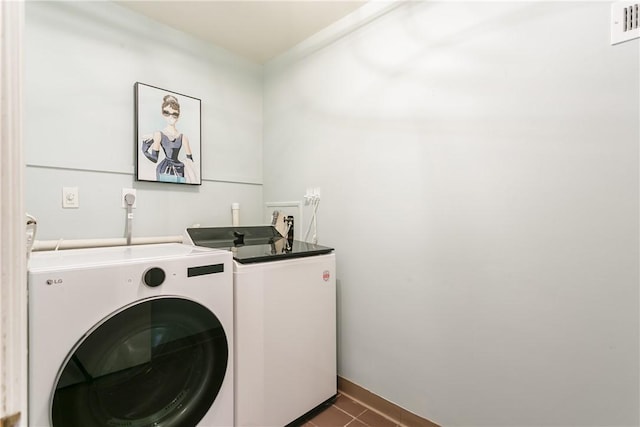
<point>168,136</point>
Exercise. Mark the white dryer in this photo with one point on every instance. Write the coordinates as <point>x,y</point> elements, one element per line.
<point>131,336</point>
<point>285,330</point>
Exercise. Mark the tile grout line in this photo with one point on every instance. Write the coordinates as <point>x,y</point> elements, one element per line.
<point>397,422</point>
<point>351,415</point>
<point>341,410</point>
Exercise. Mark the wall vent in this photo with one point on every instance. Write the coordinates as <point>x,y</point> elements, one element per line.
<point>625,21</point>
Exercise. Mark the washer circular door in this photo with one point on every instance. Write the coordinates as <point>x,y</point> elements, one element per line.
<point>159,362</point>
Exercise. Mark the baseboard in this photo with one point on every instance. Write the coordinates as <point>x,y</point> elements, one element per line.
<point>381,405</point>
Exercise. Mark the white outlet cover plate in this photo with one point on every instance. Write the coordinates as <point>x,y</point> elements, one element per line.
<point>126,191</point>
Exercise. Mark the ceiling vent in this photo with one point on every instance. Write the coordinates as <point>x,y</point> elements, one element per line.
<point>624,21</point>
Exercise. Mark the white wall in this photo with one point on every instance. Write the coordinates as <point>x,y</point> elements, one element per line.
<point>478,165</point>
<point>82,60</point>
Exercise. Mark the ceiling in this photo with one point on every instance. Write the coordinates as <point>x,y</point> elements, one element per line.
<point>256,30</point>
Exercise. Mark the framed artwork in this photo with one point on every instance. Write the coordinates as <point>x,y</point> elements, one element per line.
<point>168,133</point>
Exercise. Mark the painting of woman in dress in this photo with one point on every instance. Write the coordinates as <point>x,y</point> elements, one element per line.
<point>169,152</point>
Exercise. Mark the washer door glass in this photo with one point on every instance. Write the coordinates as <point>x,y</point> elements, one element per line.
<point>160,362</point>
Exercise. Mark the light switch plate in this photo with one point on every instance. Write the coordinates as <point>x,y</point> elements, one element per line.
<point>70,199</point>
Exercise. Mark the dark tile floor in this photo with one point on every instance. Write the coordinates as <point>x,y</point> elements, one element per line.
<point>348,412</point>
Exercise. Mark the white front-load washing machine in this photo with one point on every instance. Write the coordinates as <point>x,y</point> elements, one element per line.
<point>131,336</point>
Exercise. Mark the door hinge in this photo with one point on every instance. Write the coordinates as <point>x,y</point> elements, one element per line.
<point>10,420</point>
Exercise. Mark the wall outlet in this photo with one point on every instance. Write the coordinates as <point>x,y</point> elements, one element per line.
<point>126,191</point>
